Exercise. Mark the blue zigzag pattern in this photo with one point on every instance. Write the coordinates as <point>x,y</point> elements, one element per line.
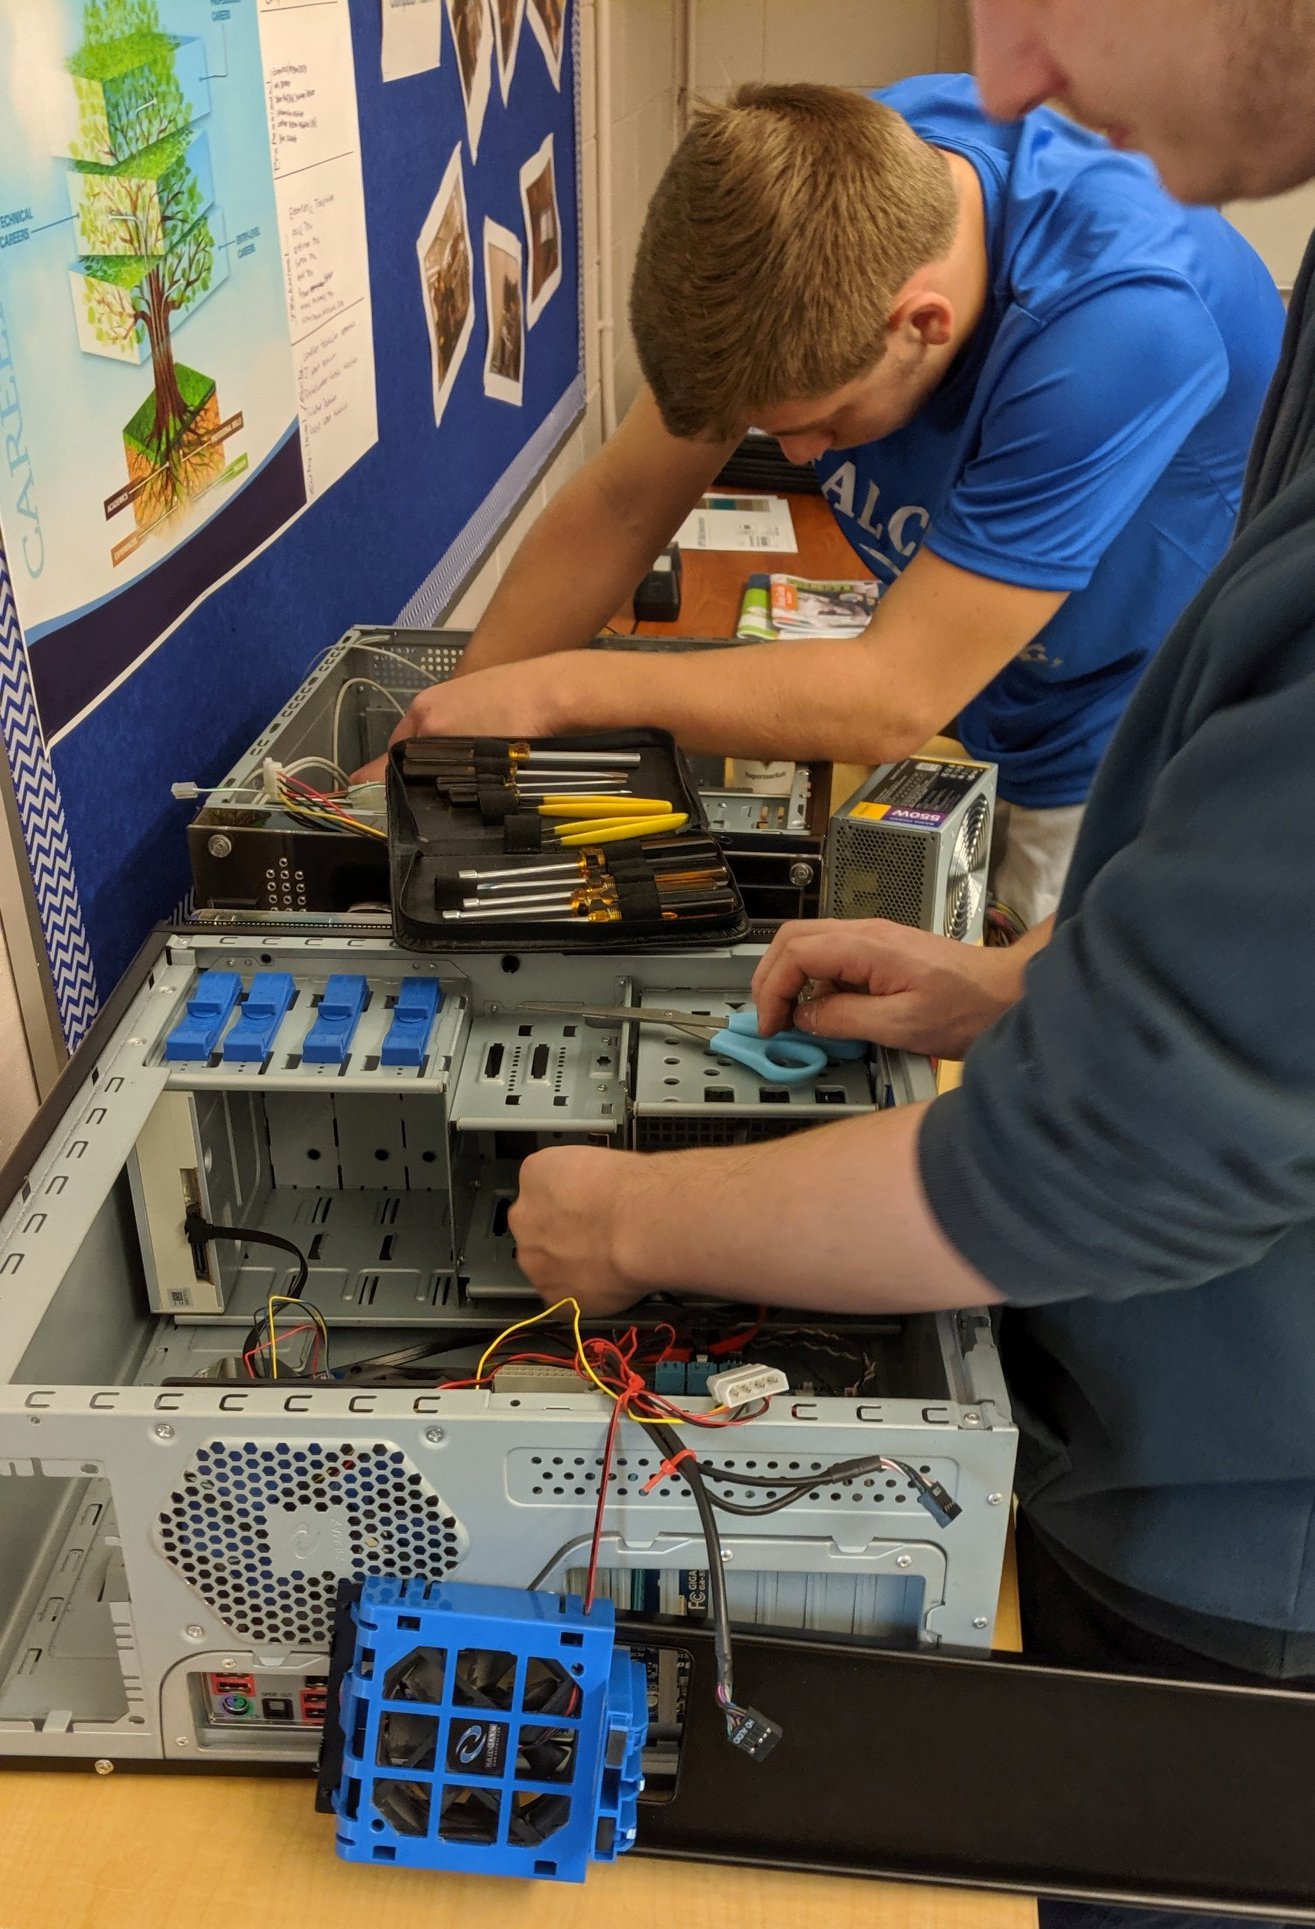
<point>41,811</point>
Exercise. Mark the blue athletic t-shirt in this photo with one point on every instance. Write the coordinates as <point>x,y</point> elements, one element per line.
<point>1092,435</point>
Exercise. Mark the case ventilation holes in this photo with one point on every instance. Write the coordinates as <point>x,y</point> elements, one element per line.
<point>878,875</point>
<point>264,1533</point>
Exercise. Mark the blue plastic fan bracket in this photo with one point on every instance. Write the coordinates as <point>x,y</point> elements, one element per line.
<point>488,1731</point>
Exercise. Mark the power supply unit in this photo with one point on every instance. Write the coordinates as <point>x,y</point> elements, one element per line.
<point>912,844</point>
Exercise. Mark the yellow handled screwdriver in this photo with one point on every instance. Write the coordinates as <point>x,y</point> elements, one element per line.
<point>602,806</point>
<point>616,830</point>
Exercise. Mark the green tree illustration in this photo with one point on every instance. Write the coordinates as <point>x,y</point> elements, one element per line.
<point>148,252</point>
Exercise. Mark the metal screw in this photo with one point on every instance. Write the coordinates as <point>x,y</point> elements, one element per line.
<point>972,1419</point>
<point>801,874</point>
<point>728,1553</point>
<point>904,1560</point>
<point>434,1435</point>
<point>228,1664</point>
<point>162,1430</point>
<point>219,845</point>
<point>994,1500</point>
<point>181,1741</point>
<point>195,1632</point>
<point>979,1620</point>
<point>102,1767</point>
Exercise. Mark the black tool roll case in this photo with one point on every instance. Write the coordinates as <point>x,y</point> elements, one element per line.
<point>471,842</point>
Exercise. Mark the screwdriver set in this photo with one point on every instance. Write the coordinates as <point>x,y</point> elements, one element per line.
<point>259,861</point>
<point>559,843</point>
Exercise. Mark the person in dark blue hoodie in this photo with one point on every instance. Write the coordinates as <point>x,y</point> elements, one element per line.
<point>1128,1170</point>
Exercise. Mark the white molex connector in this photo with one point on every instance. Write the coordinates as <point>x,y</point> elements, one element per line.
<point>741,1385</point>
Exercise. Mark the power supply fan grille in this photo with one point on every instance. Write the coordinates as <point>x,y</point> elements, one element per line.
<point>965,884</point>
<point>264,1532</point>
<point>962,903</point>
<point>971,845</point>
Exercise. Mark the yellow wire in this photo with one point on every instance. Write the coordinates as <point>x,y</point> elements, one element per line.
<point>271,1318</point>
<point>536,1319</point>
<point>326,814</point>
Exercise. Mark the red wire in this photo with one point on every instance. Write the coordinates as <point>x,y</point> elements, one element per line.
<point>733,1342</point>
<point>603,1477</point>
<point>308,1326</point>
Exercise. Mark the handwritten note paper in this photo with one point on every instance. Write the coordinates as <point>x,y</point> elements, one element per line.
<point>310,91</point>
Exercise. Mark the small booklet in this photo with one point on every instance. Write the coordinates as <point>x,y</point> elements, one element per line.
<point>739,522</point>
<point>780,607</point>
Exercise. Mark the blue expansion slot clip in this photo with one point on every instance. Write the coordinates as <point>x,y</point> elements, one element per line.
<point>252,1036</point>
<point>330,1038</point>
<point>196,1034</point>
<point>417,1006</point>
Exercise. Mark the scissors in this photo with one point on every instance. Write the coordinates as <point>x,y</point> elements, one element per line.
<point>786,1058</point>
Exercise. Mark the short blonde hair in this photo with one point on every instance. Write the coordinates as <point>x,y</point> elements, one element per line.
<point>783,228</point>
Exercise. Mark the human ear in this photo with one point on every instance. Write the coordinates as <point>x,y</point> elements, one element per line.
<point>924,318</point>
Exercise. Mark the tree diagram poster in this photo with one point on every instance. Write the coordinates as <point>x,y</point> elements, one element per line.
<point>148,390</point>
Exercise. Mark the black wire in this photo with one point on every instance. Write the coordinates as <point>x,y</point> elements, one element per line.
<point>200,1230</point>
<point>801,1485</point>
<point>692,1475</point>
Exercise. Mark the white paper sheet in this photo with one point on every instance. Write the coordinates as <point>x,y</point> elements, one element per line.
<point>412,36</point>
<point>310,89</point>
<point>739,522</point>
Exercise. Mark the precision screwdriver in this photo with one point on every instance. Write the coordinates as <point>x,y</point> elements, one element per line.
<point>656,851</point>
<point>695,885</point>
<point>431,750</point>
<point>603,912</point>
<point>667,882</point>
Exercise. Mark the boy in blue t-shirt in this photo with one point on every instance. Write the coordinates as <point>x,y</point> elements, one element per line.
<point>1028,380</point>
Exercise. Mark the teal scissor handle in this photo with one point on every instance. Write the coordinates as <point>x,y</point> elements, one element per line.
<point>787,1057</point>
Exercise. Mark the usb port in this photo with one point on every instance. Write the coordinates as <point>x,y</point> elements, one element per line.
<point>232,1684</point>
<point>313,1707</point>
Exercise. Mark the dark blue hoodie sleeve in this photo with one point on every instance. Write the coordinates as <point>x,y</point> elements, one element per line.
<point>1144,1118</point>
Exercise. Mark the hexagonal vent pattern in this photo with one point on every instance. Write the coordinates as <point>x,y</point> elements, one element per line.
<point>264,1531</point>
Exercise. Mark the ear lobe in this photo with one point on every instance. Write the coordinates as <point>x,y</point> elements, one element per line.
<point>928,319</point>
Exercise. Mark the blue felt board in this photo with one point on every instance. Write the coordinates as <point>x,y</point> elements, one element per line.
<point>394,535</point>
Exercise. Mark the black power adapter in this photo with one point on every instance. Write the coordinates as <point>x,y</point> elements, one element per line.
<point>657,600</point>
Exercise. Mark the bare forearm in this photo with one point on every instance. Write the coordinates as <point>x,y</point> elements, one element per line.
<point>834,1219</point>
<point>768,700</point>
<point>575,567</point>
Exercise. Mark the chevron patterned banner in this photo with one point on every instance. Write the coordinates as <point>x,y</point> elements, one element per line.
<point>41,813</point>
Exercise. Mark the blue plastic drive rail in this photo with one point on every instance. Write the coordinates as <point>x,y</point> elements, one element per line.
<point>488,1731</point>
<point>417,1006</point>
<point>252,1037</point>
<point>330,1038</point>
<point>196,1034</point>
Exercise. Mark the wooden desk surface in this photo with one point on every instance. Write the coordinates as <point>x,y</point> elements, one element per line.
<point>713,579</point>
<point>232,1852</point>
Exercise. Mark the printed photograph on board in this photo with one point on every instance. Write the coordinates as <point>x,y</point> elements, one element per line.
<point>507,18</point>
<point>548,22</point>
<point>472,37</point>
<point>543,229</point>
<point>447,280</point>
<point>504,357</point>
